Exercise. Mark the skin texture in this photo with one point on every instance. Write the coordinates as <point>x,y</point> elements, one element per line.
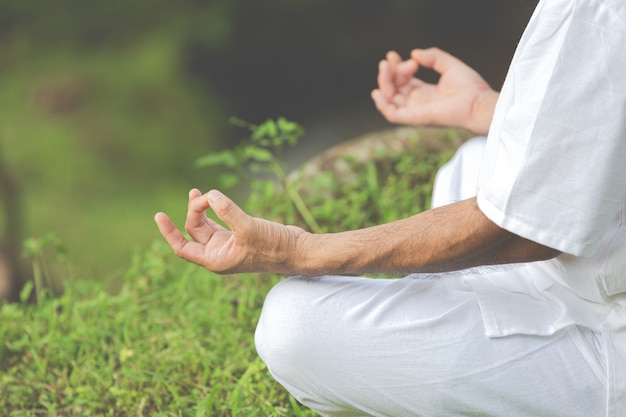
<point>448,238</point>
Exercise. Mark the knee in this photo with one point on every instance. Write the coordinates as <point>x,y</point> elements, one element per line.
<point>280,336</point>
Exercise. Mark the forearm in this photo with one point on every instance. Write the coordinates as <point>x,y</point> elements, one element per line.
<point>449,238</point>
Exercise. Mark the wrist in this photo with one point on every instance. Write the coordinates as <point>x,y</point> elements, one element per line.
<point>482,111</point>
<point>304,258</point>
<point>322,254</point>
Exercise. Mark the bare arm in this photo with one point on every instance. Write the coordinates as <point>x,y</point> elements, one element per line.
<point>448,238</point>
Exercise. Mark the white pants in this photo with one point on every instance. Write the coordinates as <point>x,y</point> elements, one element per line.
<point>350,346</point>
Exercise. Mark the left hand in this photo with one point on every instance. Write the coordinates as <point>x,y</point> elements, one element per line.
<point>461,97</point>
<point>251,244</point>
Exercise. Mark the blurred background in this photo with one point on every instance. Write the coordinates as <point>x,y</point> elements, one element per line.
<point>105,106</point>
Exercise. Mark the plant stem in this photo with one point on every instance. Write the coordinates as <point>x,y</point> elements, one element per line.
<point>302,208</point>
<point>295,197</point>
<point>38,278</point>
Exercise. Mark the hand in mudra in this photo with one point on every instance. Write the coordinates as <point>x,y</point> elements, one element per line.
<point>461,97</point>
<point>251,244</point>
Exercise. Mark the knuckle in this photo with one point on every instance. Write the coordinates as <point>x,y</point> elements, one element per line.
<point>179,249</point>
<point>226,208</point>
<point>191,226</point>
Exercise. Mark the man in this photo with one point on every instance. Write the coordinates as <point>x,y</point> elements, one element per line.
<point>516,300</point>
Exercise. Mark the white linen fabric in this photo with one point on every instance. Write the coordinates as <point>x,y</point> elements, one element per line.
<point>416,346</point>
<point>536,339</point>
<point>457,180</point>
<point>554,171</point>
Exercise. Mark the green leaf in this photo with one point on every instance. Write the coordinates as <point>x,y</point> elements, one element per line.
<point>257,154</point>
<point>26,291</point>
<point>270,127</point>
<point>287,126</point>
<point>257,168</point>
<point>264,131</point>
<point>290,131</point>
<point>223,158</point>
<point>228,180</point>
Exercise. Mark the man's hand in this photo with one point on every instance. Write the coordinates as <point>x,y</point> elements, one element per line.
<point>251,244</point>
<point>461,98</point>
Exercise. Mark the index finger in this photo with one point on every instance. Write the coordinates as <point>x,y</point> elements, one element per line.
<point>197,224</point>
<point>197,207</point>
<point>385,79</point>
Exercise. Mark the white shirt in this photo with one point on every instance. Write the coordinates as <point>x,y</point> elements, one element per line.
<point>555,165</point>
<point>554,168</point>
<point>554,171</point>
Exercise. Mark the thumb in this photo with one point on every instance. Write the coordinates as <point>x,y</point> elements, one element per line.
<point>434,58</point>
<point>227,210</point>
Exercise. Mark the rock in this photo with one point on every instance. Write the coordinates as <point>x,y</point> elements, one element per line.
<point>343,160</point>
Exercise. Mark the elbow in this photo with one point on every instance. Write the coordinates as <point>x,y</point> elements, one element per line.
<point>525,250</point>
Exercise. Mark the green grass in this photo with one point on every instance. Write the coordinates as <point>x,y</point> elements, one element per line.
<point>174,339</point>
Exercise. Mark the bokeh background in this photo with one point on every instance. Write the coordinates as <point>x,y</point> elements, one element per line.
<point>105,106</point>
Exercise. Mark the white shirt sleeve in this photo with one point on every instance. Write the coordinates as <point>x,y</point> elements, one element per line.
<point>554,169</point>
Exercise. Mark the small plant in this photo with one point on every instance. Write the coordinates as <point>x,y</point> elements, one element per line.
<point>35,249</point>
<point>392,185</point>
<point>260,154</point>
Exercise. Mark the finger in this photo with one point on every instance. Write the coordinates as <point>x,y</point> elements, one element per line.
<point>405,71</point>
<point>197,224</point>
<point>172,235</point>
<point>194,192</point>
<point>386,79</point>
<point>388,109</point>
<point>229,212</point>
<point>401,71</point>
<point>386,73</point>
<point>435,58</point>
<point>393,57</point>
<point>190,251</point>
<point>380,101</point>
<point>196,208</point>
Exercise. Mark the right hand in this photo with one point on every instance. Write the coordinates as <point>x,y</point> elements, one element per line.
<point>461,98</point>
